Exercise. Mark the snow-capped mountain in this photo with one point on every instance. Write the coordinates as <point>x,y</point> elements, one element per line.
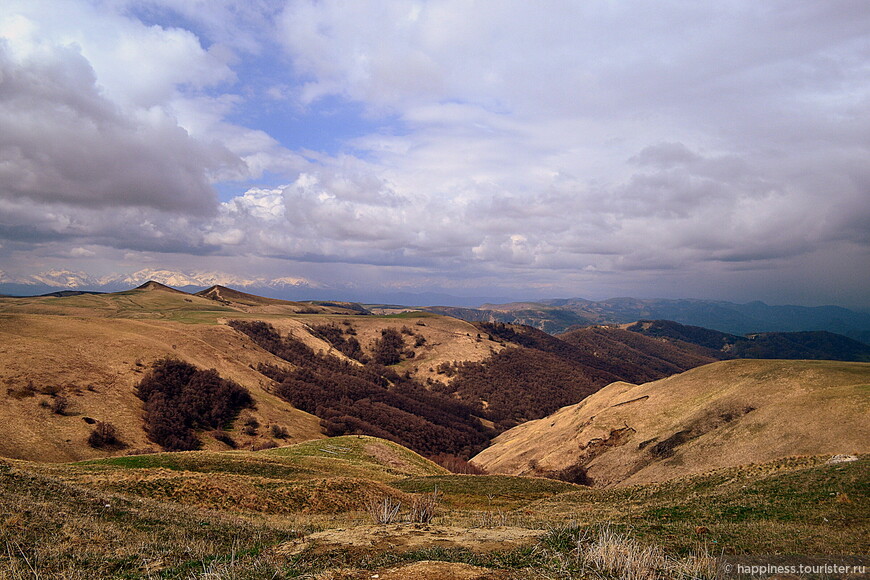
<point>57,279</point>
<point>75,280</point>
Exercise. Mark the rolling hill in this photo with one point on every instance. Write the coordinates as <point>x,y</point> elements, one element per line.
<point>70,361</point>
<point>314,510</point>
<point>719,415</point>
<point>91,350</point>
<point>698,459</point>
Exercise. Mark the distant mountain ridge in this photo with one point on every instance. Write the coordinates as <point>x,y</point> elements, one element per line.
<point>558,315</point>
<point>551,315</point>
<point>807,345</point>
<point>191,279</point>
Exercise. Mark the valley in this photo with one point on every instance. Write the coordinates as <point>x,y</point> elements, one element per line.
<point>408,444</point>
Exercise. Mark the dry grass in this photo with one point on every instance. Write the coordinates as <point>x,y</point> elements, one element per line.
<point>65,521</point>
<point>96,348</point>
<point>95,360</point>
<point>710,417</point>
<point>615,555</point>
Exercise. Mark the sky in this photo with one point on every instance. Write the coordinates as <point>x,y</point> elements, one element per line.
<point>669,149</point>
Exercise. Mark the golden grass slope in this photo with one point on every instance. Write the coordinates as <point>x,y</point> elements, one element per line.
<point>719,415</point>
<point>93,349</point>
<point>96,364</point>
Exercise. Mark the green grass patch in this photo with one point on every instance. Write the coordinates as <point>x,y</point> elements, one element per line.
<point>411,314</point>
<point>485,491</point>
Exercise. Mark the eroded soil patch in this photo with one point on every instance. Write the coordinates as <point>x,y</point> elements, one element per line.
<point>398,538</point>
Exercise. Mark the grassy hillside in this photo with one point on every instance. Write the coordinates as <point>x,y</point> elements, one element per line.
<point>723,414</point>
<point>303,510</point>
<point>91,350</point>
<point>439,384</point>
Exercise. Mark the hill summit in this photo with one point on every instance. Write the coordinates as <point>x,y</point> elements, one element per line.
<point>152,285</point>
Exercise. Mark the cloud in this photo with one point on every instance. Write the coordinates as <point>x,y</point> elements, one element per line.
<point>561,145</point>
<point>62,140</point>
<point>82,253</point>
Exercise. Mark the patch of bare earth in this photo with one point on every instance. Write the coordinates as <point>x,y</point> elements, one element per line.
<point>425,570</point>
<point>398,538</point>
<point>386,456</point>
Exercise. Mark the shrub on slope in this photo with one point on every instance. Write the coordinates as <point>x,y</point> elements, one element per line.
<point>180,398</point>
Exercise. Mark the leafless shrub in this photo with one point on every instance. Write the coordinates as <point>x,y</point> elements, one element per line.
<point>59,404</point>
<point>383,511</point>
<point>424,507</point>
<point>251,426</point>
<point>50,390</point>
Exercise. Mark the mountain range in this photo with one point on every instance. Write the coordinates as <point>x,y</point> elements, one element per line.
<point>70,280</point>
<point>555,316</point>
<point>551,315</point>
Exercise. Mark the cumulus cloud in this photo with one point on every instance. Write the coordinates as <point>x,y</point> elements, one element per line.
<point>63,140</point>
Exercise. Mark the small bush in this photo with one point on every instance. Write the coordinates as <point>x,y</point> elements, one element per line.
<point>104,435</point>
<point>50,390</point>
<point>278,432</point>
<point>59,405</point>
<point>424,507</point>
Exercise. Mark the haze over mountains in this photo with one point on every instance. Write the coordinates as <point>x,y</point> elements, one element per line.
<point>559,315</point>
<point>552,315</point>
